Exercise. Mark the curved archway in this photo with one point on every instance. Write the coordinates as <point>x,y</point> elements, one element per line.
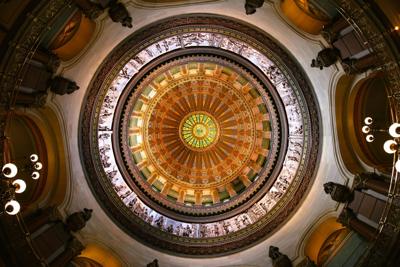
<point>38,131</point>
<point>305,16</point>
<point>23,137</point>
<point>94,255</point>
<point>355,100</point>
<point>74,37</point>
<point>324,240</point>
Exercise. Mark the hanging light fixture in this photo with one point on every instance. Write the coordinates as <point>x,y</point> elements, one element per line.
<point>368,130</point>
<point>35,175</point>
<point>397,166</point>
<point>34,158</point>
<point>394,130</point>
<point>370,138</point>
<point>11,186</point>
<point>368,120</point>
<point>393,146</point>
<point>365,129</point>
<point>390,146</point>
<point>12,207</point>
<point>19,185</point>
<point>9,170</point>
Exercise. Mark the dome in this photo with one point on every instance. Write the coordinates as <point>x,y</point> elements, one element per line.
<point>190,132</point>
<point>200,133</point>
<point>200,137</point>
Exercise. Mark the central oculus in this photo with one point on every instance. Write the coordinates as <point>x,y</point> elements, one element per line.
<point>199,130</point>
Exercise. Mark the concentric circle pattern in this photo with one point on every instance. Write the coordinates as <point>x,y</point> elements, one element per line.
<point>200,135</point>
<point>199,132</point>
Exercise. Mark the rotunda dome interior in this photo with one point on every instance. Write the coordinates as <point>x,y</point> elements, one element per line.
<point>200,132</point>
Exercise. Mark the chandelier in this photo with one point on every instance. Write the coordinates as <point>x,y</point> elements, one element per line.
<point>391,146</point>
<point>10,185</point>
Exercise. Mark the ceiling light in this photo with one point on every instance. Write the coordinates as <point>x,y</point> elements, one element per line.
<point>34,157</point>
<point>11,186</point>
<point>9,170</point>
<point>12,207</point>
<point>394,130</point>
<point>366,129</point>
<point>368,120</point>
<point>370,138</point>
<point>35,175</point>
<point>390,146</point>
<point>20,186</point>
<point>38,166</point>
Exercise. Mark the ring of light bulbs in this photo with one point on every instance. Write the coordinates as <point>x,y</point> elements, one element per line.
<point>367,129</point>
<point>8,174</point>
<point>390,146</point>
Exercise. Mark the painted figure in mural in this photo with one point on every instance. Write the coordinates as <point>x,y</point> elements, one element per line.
<point>203,230</point>
<point>160,222</point>
<point>170,228</point>
<point>216,230</point>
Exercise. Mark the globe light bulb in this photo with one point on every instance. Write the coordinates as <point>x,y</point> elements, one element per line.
<point>38,166</point>
<point>9,170</point>
<point>366,129</point>
<point>390,146</point>
<point>370,138</point>
<point>12,207</point>
<point>397,165</point>
<point>394,130</point>
<point>34,157</point>
<point>368,120</point>
<point>20,186</point>
<point>35,175</point>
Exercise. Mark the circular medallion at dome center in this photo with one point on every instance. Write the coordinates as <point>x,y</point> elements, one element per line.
<point>199,131</point>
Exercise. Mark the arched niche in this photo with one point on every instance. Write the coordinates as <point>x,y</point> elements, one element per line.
<point>372,101</point>
<point>353,102</point>
<point>24,138</point>
<point>95,254</point>
<point>38,131</point>
<point>325,240</point>
<point>303,15</point>
<point>73,37</point>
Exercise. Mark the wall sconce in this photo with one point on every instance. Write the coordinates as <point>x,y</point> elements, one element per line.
<point>10,185</point>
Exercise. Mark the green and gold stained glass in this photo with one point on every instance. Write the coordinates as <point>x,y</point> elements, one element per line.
<point>199,130</point>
